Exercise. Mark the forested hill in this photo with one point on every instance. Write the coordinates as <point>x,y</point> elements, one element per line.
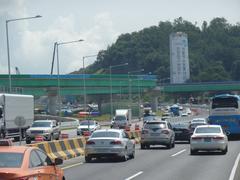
<point>214,50</point>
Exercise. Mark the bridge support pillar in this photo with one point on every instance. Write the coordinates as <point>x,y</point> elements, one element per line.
<point>52,101</point>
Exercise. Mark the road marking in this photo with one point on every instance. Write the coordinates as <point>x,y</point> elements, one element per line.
<point>231,177</point>
<point>135,175</point>
<point>178,153</point>
<point>73,165</point>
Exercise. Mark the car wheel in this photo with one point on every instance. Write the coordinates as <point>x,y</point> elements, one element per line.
<point>169,146</point>
<point>225,150</point>
<point>28,141</point>
<point>58,136</point>
<point>124,158</point>
<point>173,144</point>
<point>193,152</point>
<point>88,159</point>
<point>132,155</point>
<point>142,146</point>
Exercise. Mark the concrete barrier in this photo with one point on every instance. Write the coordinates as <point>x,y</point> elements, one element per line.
<point>70,148</point>
<point>65,149</point>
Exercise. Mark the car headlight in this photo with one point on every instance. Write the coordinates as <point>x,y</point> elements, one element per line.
<point>47,131</point>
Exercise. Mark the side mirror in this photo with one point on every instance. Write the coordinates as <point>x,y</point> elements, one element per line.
<point>58,161</point>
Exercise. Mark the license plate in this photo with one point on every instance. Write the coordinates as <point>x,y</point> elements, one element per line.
<point>102,150</point>
<point>207,139</point>
<point>155,134</point>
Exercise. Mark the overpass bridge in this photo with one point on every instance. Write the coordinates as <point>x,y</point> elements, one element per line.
<point>73,84</point>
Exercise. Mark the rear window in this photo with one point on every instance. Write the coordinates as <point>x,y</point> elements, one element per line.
<point>105,134</point>
<point>160,125</point>
<point>194,125</point>
<point>225,102</point>
<point>87,122</point>
<point>208,130</point>
<point>13,160</point>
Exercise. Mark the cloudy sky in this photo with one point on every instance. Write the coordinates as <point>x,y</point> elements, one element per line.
<point>98,22</point>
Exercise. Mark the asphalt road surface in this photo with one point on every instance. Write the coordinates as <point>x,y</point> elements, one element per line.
<point>158,163</point>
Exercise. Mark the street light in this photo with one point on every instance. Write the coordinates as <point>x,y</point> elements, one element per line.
<point>8,51</point>
<point>56,44</point>
<point>110,76</point>
<point>129,89</point>
<point>84,79</point>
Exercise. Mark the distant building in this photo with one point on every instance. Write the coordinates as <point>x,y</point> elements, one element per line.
<point>179,61</point>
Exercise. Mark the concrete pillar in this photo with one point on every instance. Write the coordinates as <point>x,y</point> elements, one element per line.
<point>52,101</point>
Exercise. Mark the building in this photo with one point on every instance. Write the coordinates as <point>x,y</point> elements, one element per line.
<point>179,61</point>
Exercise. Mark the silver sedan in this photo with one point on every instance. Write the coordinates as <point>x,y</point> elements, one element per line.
<point>109,143</point>
<point>208,138</point>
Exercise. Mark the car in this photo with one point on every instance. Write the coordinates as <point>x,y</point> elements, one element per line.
<point>149,118</point>
<point>208,138</point>
<point>157,133</point>
<point>182,132</point>
<point>84,125</point>
<point>193,125</point>
<point>198,120</point>
<point>109,143</point>
<point>22,162</point>
<point>166,115</point>
<point>184,114</point>
<point>48,129</point>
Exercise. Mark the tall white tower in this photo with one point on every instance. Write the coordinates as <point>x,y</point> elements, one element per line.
<point>179,61</point>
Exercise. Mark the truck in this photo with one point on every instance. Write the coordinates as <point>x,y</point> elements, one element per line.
<point>175,110</point>
<point>122,118</point>
<point>13,108</point>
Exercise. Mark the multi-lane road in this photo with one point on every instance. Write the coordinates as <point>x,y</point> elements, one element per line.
<point>158,163</point>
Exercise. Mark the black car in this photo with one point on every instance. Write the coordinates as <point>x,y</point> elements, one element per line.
<point>182,132</point>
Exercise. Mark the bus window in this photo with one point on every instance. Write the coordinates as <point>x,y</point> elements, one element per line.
<point>225,102</point>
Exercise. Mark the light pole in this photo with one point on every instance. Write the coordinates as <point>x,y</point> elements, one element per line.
<point>84,80</point>
<point>130,87</point>
<point>56,44</point>
<point>8,51</point>
<point>110,77</point>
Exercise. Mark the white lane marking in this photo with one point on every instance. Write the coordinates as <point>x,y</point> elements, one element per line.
<point>135,175</point>
<point>70,166</point>
<point>231,177</point>
<point>178,153</point>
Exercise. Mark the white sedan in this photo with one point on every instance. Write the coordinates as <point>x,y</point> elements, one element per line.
<point>208,138</point>
<point>109,143</point>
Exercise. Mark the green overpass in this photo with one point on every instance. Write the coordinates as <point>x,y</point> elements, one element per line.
<point>73,84</point>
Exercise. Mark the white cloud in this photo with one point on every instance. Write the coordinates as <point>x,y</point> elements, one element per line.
<point>37,46</point>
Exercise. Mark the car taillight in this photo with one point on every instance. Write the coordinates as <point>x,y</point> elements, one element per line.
<point>218,138</point>
<point>165,132</point>
<point>197,138</point>
<point>117,142</point>
<point>144,131</point>
<point>90,142</point>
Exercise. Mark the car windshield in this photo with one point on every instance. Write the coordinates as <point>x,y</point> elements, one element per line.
<point>120,118</point>
<point>41,124</point>
<point>13,160</point>
<point>86,123</point>
<point>208,130</point>
<point>105,134</point>
<point>152,125</point>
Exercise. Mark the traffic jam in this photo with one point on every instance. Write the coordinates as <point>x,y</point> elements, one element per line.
<point>45,149</point>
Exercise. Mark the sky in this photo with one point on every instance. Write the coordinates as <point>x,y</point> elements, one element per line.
<point>97,22</point>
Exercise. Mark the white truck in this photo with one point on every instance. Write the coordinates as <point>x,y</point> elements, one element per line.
<point>13,108</point>
<point>123,118</point>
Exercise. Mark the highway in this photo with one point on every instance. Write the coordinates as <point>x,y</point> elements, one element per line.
<point>158,163</point>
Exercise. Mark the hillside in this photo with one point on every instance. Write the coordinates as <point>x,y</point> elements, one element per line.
<point>214,50</point>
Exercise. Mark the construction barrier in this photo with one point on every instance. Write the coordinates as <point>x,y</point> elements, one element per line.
<point>136,135</point>
<point>64,136</point>
<point>65,149</point>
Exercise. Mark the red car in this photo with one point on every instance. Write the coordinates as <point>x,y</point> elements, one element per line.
<point>28,163</point>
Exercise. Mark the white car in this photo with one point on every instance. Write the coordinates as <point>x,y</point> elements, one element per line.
<point>109,143</point>
<point>208,138</point>
<point>84,125</point>
<point>199,120</point>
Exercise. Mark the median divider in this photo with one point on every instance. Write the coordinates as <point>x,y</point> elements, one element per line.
<point>70,148</point>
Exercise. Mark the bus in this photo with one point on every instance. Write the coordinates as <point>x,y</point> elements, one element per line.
<point>225,111</point>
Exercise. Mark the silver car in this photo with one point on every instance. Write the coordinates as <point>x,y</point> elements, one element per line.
<point>49,129</point>
<point>84,125</point>
<point>157,133</point>
<point>208,138</point>
<point>109,143</point>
